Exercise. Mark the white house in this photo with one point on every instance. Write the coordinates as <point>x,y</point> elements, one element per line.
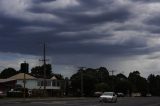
<point>52,85</point>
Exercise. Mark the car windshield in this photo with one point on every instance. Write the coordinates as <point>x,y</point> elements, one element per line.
<point>108,93</point>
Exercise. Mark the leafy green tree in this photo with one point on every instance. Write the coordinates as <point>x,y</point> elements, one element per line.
<point>121,77</point>
<point>139,84</point>
<point>103,74</point>
<point>8,72</point>
<point>92,78</point>
<point>158,84</point>
<point>58,76</point>
<point>154,84</point>
<point>101,87</point>
<point>134,79</point>
<point>38,71</point>
<point>122,84</point>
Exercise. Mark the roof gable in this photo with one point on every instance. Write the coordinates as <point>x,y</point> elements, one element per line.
<point>54,78</point>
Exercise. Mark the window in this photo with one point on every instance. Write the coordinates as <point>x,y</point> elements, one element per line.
<point>58,83</point>
<point>39,83</point>
<point>53,83</point>
<point>48,83</point>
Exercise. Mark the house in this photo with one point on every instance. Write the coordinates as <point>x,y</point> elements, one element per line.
<point>36,85</point>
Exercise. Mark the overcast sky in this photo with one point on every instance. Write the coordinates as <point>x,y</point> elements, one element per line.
<point>121,35</point>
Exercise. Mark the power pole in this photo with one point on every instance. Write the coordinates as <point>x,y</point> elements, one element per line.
<point>82,87</point>
<point>44,70</point>
<point>24,84</point>
<point>112,79</point>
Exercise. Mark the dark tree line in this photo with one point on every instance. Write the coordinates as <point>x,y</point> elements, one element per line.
<point>37,71</point>
<point>8,72</point>
<point>99,80</point>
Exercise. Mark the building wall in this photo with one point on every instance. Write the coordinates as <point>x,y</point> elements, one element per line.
<point>38,84</point>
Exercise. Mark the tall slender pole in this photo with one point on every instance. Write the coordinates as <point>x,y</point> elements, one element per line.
<point>82,83</point>
<point>44,69</point>
<point>24,82</point>
<point>44,65</point>
<point>112,79</point>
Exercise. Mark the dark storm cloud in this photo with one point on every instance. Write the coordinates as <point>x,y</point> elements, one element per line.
<point>145,1</point>
<point>153,20</point>
<point>40,1</point>
<point>82,32</point>
<point>119,15</point>
<point>77,16</point>
<point>73,34</point>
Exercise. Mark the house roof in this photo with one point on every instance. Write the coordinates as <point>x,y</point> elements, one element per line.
<point>6,80</point>
<point>21,76</point>
<point>54,78</point>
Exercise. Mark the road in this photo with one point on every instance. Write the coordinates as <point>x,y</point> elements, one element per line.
<point>126,101</point>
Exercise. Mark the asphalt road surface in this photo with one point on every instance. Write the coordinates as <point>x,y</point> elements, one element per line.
<point>126,101</point>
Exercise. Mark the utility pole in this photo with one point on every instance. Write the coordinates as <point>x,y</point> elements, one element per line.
<point>112,79</point>
<point>82,87</point>
<point>24,84</point>
<point>112,72</point>
<point>44,69</point>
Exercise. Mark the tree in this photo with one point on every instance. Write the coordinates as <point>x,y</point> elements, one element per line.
<point>122,84</point>
<point>154,84</point>
<point>38,71</point>
<point>89,80</point>
<point>8,72</point>
<point>101,87</point>
<point>103,74</point>
<point>92,78</point>
<point>139,84</point>
<point>58,76</point>
<point>121,77</point>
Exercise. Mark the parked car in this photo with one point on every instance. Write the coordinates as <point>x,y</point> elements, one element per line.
<point>18,92</point>
<point>97,94</point>
<point>108,97</point>
<point>2,94</point>
<point>119,94</point>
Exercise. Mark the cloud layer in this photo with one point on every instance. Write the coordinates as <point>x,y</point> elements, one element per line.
<point>83,32</point>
